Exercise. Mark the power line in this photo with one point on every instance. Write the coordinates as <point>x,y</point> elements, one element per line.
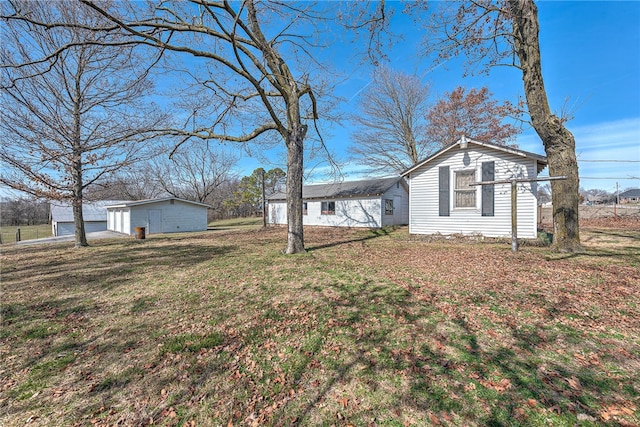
<point>608,177</point>
<point>610,161</point>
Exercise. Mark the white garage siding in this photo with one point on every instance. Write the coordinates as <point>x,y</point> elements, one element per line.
<point>169,215</point>
<point>424,189</point>
<point>94,214</point>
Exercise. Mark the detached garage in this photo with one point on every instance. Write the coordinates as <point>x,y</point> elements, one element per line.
<point>168,215</point>
<point>94,214</point>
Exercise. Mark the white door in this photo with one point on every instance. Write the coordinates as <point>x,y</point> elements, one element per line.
<point>155,221</point>
<point>118,225</point>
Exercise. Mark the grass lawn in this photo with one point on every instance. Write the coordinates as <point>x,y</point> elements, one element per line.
<point>369,328</point>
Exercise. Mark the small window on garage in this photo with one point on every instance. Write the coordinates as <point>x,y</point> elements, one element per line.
<point>328,208</point>
<point>388,206</point>
<point>304,208</point>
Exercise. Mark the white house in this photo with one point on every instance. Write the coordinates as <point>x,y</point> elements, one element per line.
<point>443,201</point>
<point>167,215</point>
<point>371,203</point>
<point>94,214</point>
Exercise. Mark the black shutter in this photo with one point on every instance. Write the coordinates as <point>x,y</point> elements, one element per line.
<point>488,174</point>
<point>443,193</point>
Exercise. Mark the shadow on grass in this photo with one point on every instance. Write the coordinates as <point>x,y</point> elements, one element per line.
<point>631,253</point>
<point>450,374</point>
<point>372,234</point>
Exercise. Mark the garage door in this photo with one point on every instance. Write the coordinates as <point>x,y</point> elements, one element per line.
<point>93,226</point>
<point>68,229</point>
<point>65,229</point>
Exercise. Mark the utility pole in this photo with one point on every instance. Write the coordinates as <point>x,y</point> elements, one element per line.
<point>264,210</point>
<point>615,203</point>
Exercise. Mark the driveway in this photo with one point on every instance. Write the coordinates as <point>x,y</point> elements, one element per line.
<point>71,238</point>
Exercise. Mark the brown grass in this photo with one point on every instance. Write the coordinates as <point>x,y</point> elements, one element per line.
<point>367,328</point>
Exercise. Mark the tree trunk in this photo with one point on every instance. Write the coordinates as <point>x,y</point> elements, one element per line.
<point>76,171</point>
<point>78,223</point>
<point>559,143</point>
<point>295,155</point>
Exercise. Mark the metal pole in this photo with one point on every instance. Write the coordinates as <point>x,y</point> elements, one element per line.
<point>615,203</point>
<point>514,216</point>
<point>264,213</point>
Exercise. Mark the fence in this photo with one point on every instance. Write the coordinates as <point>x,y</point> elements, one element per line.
<point>24,232</point>
<point>595,211</point>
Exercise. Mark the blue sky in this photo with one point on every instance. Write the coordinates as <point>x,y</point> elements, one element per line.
<point>591,64</point>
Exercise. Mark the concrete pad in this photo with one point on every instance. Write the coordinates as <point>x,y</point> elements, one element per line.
<point>71,238</point>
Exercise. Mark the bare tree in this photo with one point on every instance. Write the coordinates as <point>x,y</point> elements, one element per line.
<point>254,91</point>
<point>475,114</point>
<point>134,182</point>
<point>194,171</point>
<point>396,127</point>
<point>391,122</point>
<point>70,117</point>
<point>506,32</point>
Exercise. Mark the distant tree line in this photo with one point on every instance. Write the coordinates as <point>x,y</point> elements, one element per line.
<point>23,211</point>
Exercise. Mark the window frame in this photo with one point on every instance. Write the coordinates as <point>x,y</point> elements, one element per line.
<point>386,210</point>
<point>305,208</point>
<point>325,207</point>
<point>458,191</point>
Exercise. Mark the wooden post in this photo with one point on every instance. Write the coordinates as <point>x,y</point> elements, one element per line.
<point>514,216</point>
<point>18,234</point>
<point>514,201</point>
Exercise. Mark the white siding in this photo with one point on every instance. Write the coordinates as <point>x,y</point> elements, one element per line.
<point>363,212</point>
<point>172,215</point>
<point>400,197</point>
<point>176,217</point>
<point>118,220</point>
<point>277,212</point>
<point>423,182</point>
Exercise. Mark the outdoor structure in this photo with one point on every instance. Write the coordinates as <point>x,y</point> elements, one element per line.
<point>94,214</point>
<point>371,203</point>
<point>630,196</point>
<point>445,197</point>
<point>167,215</point>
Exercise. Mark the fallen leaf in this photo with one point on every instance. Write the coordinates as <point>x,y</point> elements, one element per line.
<point>434,420</point>
<point>344,402</point>
<point>574,383</point>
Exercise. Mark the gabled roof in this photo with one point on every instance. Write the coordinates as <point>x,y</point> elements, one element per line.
<point>633,193</point>
<point>91,211</point>
<point>128,204</point>
<point>542,160</point>
<point>345,189</point>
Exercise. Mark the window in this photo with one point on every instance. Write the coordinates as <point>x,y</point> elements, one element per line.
<point>328,208</point>
<point>388,206</point>
<point>304,208</point>
<point>464,192</point>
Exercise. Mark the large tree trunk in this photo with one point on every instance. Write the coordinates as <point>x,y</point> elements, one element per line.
<point>76,170</point>
<point>78,223</point>
<point>559,143</point>
<point>295,155</point>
